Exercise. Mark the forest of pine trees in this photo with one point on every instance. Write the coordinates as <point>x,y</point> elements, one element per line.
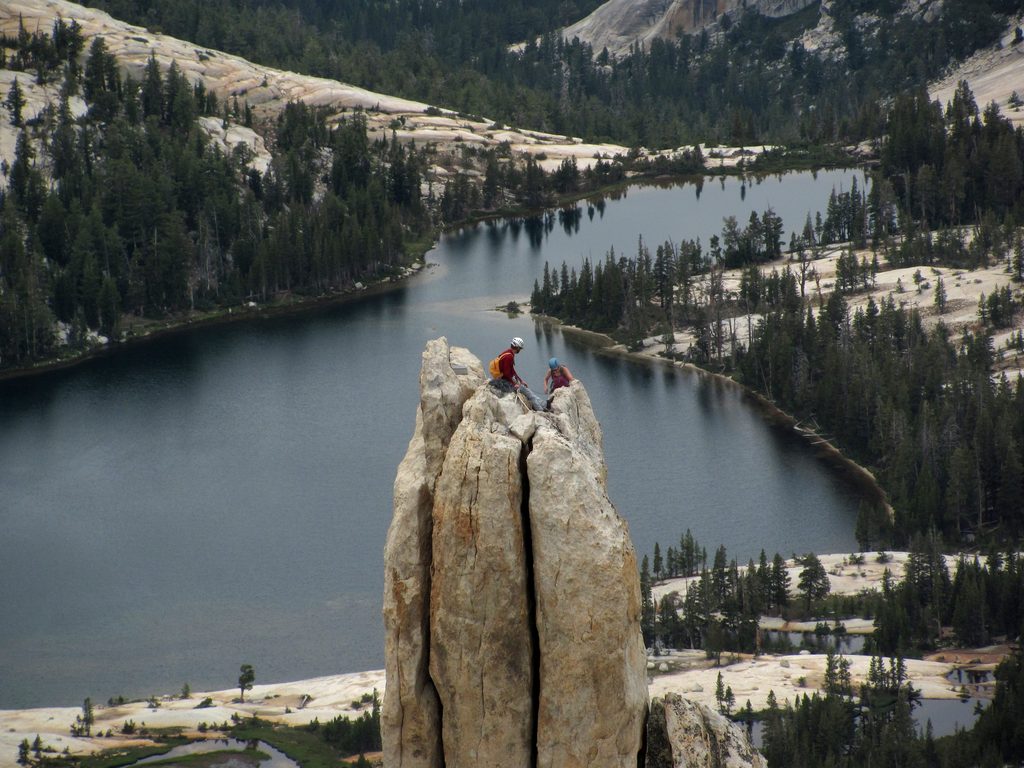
<point>982,600</point>
<point>875,726</point>
<point>844,725</point>
<point>129,211</point>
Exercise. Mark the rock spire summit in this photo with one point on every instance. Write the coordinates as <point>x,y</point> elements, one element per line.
<point>512,598</point>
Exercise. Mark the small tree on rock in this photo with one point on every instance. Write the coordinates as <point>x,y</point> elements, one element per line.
<point>246,679</point>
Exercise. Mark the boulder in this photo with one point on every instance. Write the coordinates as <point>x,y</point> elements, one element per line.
<point>683,734</point>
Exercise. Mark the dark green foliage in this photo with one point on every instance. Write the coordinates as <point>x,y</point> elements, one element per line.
<point>1001,724</point>
<point>647,607</point>
<point>721,609</point>
<point>349,736</point>
<point>878,729</point>
<point>15,102</point>
<point>84,722</point>
<point>908,382</point>
<point>813,583</point>
<point>246,677</point>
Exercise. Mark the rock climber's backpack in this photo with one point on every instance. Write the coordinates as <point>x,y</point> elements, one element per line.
<point>495,368</point>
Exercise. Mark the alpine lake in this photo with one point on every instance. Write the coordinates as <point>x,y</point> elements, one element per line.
<point>221,495</point>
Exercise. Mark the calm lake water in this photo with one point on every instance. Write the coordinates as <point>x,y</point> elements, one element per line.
<point>221,497</point>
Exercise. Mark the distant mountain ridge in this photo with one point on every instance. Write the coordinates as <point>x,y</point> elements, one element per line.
<point>618,24</point>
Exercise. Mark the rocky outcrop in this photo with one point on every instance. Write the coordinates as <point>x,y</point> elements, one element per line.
<point>683,734</point>
<point>481,641</point>
<point>512,599</point>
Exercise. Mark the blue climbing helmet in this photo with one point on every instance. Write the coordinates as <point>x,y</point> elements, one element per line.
<point>553,363</point>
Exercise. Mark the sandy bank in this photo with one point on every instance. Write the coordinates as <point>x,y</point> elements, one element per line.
<point>295,703</point>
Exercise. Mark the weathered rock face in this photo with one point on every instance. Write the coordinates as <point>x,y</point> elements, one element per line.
<point>512,600</point>
<point>410,715</point>
<point>592,703</point>
<point>683,734</point>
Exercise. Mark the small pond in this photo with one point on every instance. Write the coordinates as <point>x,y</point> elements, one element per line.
<point>778,641</point>
<point>277,759</point>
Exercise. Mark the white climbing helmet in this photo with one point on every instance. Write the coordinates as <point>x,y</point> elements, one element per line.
<point>517,343</point>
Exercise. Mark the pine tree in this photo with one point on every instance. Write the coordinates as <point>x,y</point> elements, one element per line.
<point>779,583</point>
<point>940,296</point>
<point>152,93</point>
<point>15,103</point>
<point>813,583</point>
<point>647,610</point>
<point>837,675</point>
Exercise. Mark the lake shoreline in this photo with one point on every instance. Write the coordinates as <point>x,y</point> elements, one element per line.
<point>856,474</point>
<point>419,250</point>
<point>234,314</point>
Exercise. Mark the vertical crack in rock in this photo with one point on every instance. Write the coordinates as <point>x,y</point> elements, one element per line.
<point>641,757</point>
<point>531,597</point>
